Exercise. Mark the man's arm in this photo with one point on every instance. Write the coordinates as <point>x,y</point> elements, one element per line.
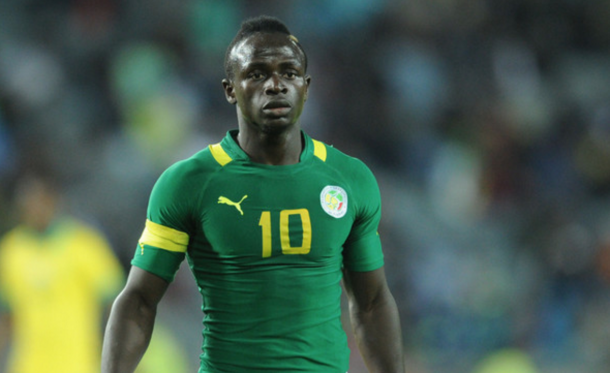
<point>131,321</point>
<point>375,320</point>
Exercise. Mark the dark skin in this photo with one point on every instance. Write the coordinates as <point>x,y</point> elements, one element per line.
<point>131,321</point>
<point>269,88</point>
<point>375,320</point>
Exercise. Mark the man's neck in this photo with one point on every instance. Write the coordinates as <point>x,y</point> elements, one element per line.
<point>282,148</point>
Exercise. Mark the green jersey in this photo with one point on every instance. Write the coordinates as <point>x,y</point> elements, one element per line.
<point>266,245</point>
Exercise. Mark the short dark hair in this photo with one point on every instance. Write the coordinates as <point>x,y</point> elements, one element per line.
<point>260,24</point>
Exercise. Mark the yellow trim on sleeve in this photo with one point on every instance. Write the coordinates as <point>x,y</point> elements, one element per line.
<point>163,237</point>
<point>319,150</point>
<point>220,155</point>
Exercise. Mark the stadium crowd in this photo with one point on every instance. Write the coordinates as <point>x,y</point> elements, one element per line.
<point>486,122</point>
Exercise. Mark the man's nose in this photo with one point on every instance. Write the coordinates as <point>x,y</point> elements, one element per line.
<point>275,85</point>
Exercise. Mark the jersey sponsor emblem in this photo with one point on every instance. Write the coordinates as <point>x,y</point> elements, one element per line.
<point>334,201</point>
<point>237,205</point>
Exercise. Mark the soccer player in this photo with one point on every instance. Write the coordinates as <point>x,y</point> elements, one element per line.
<point>58,276</point>
<point>270,221</point>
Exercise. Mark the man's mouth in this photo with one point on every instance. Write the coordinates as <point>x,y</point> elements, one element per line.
<point>277,108</point>
<point>273,105</point>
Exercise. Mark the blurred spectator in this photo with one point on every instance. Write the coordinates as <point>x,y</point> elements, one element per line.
<point>57,275</point>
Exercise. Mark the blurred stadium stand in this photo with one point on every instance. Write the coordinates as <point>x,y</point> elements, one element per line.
<point>487,123</point>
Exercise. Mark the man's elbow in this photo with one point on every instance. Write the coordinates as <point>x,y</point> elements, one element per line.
<point>380,303</point>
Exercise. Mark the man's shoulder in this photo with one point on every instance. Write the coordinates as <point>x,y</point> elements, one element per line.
<point>352,169</point>
<point>340,159</point>
<point>185,178</point>
<point>198,165</point>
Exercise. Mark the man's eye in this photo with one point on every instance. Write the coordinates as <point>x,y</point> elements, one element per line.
<point>290,75</point>
<point>256,76</point>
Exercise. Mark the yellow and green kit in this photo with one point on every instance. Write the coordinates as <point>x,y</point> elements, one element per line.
<point>266,245</point>
<point>56,284</point>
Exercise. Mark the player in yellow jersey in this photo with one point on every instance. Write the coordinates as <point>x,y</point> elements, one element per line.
<point>57,276</point>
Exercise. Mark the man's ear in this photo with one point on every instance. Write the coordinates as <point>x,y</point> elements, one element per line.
<point>307,82</point>
<point>229,91</point>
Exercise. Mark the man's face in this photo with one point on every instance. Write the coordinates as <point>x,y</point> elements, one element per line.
<point>269,84</point>
<point>37,203</point>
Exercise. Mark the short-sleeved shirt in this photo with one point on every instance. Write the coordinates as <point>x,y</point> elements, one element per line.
<point>266,245</point>
<point>55,285</point>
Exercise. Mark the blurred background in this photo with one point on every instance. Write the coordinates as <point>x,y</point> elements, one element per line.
<point>486,122</point>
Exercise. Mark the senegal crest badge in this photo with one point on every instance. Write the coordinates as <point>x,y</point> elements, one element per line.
<point>334,201</point>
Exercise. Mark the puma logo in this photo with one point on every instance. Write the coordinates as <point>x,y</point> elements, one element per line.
<point>226,201</point>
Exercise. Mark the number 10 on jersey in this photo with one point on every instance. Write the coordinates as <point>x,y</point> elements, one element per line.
<point>265,223</point>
